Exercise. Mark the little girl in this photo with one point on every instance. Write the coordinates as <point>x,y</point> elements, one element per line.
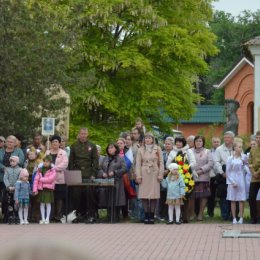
<point>236,191</point>
<point>44,184</point>
<point>175,192</point>
<point>22,196</point>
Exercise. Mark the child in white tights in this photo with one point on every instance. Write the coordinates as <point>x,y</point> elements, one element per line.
<point>175,192</point>
<point>22,196</point>
<point>44,184</point>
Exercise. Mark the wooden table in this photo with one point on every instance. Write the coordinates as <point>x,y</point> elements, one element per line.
<point>104,184</point>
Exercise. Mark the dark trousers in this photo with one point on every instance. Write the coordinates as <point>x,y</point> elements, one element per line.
<point>59,201</point>
<point>253,190</point>
<point>125,208</point>
<point>185,211</point>
<point>2,190</point>
<point>212,197</point>
<point>9,208</point>
<point>224,208</point>
<point>163,208</point>
<point>84,201</point>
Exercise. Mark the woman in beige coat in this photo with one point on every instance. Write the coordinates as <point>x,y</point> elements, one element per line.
<point>149,173</point>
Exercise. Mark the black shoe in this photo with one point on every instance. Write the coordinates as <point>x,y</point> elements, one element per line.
<point>10,220</point>
<point>178,222</point>
<point>146,218</point>
<point>151,221</point>
<point>169,223</point>
<point>17,221</point>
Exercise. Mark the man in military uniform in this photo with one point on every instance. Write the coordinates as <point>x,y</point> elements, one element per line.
<point>84,157</point>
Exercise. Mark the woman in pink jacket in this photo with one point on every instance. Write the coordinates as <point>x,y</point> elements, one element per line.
<point>44,184</point>
<point>60,161</point>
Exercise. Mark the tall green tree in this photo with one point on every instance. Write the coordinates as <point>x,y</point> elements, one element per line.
<point>138,58</point>
<point>32,64</point>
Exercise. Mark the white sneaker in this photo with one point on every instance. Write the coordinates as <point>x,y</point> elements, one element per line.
<point>22,222</point>
<point>42,221</point>
<point>26,222</point>
<point>240,221</point>
<point>47,222</point>
<point>234,221</point>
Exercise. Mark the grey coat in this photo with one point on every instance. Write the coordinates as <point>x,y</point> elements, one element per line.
<point>11,176</point>
<point>118,166</point>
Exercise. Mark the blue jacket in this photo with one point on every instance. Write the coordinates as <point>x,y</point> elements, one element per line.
<point>22,190</point>
<point>175,188</point>
<point>17,152</point>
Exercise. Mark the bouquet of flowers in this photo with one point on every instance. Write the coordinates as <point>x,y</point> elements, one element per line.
<point>185,172</point>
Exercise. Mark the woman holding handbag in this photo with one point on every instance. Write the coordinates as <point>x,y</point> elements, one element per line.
<point>149,173</point>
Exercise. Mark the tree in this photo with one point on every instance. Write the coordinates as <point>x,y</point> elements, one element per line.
<point>137,58</point>
<point>232,33</point>
<point>32,65</point>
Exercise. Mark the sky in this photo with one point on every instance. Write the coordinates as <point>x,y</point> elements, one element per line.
<point>235,7</point>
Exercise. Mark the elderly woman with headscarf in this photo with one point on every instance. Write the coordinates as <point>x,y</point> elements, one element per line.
<point>149,173</point>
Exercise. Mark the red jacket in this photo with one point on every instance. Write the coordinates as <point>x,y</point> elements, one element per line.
<point>47,182</point>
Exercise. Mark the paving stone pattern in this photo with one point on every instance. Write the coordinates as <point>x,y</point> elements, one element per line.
<point>138,241</point>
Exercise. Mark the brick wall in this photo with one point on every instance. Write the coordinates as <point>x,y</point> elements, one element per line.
<point>241,88</point>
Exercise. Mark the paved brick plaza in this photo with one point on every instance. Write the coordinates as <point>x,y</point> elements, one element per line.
<point>138,241</point>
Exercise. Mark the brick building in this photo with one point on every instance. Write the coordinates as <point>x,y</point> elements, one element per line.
<point>239,85</point>
<point>210,120</point>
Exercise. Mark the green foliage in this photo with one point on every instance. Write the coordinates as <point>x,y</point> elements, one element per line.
<point>124,59</point>
<point>211,132</point>
<point>137,58</point>
<point>218,97</point>
<point>232,33</point>
<point>31,62</point>
<point>98,133</point>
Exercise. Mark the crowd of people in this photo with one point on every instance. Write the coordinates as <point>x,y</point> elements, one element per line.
<point>174,182</point>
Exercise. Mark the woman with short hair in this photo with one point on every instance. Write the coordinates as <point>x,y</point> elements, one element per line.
<point>113,167</point>
<point>60,161</point>
<point>204,163</point>
<point>9,150</point>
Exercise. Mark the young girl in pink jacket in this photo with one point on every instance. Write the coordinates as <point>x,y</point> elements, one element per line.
<point>43,186</point>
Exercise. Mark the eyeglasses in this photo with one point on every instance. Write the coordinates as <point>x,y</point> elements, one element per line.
<point>12,160</point>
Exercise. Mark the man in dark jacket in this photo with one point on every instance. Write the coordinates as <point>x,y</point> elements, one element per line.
<point>84,157</point>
